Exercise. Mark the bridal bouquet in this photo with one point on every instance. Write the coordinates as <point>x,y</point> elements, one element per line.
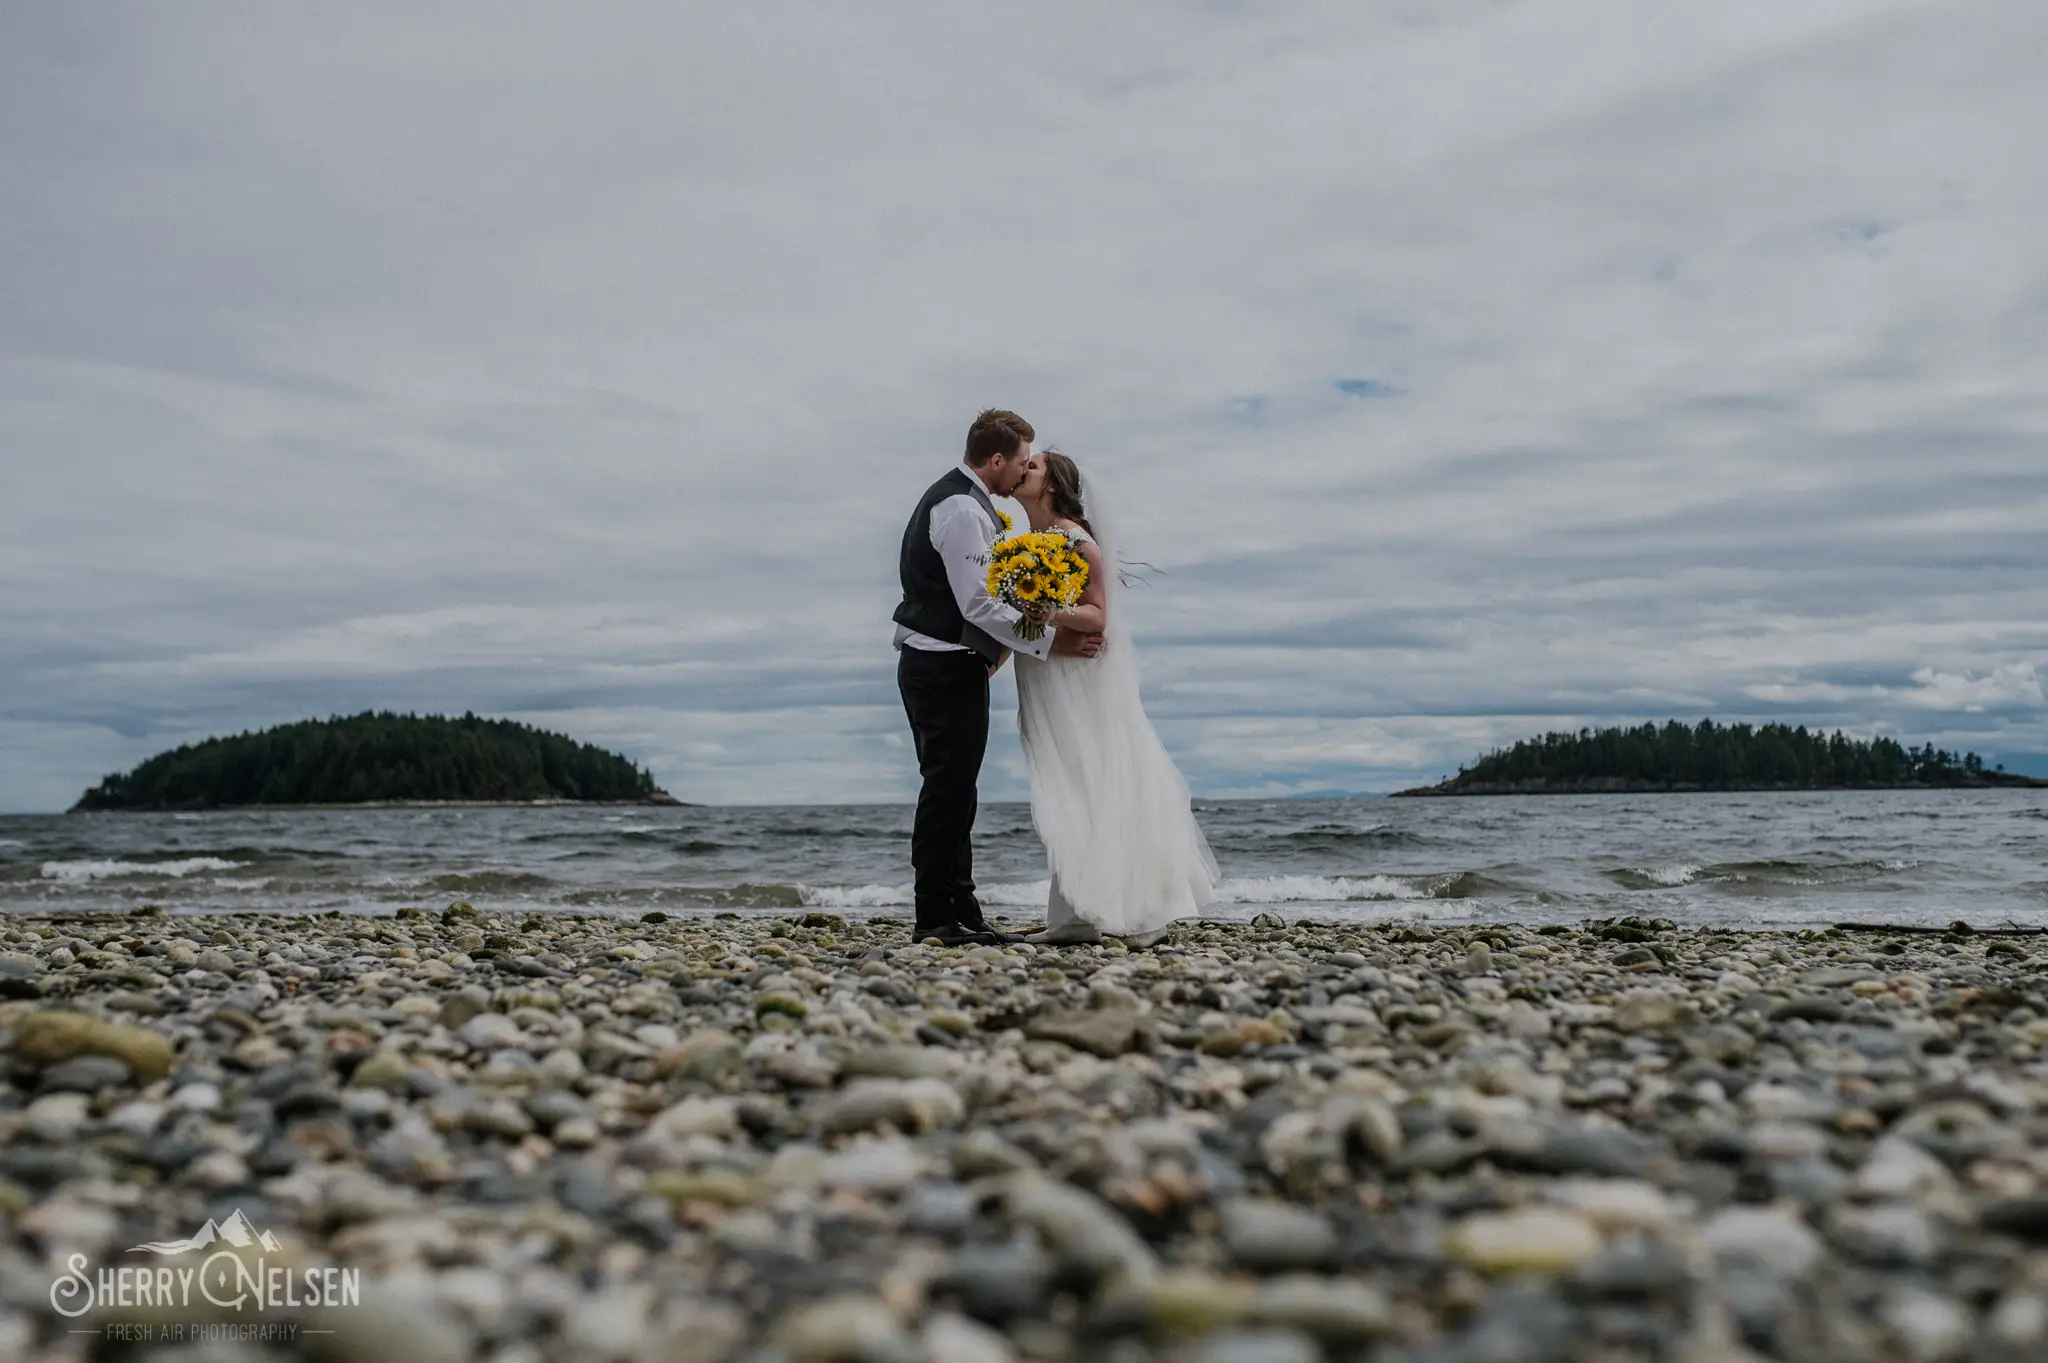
<point>1036,568</point>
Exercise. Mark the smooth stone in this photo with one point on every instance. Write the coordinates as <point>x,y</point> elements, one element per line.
<point>2024,1217</point>
<point>952,1338</point>
<point>1721,1043</point>
<point>1339,1311</point>
<point>723,1187</point>
<point>1186,1303</point>
<point>1897,1170</point>
<point>886,1167</point>
<point>497,1117</point>
<point>787,1005</point>
<point>1274,1237</point>
<point>1615,1204</point>
<point>492,1032</point>
<point>1079,1227</point>
<point>383,1070</point>
<point>85,1074</point>
<point>1805,1008</point>
<point>578,1133</point>
<point>1105,1032</point>
<point>1240,1036</point>
<point>845,1329</point>
<point>805,1067</point>
<point>1812,1182</point>
<point>1784,1142</point>
<point>798,1166</point>
<point>942,1209</point>
<point>1607,1152</point>
<point>893,1062</point>
<point>56,1118</point>
<point>218,1170</point>
<point>1653,1010</point>
<point>1633,1269</point>
<point>1376,1127</point>
<point>1889,1234</point>
<point>560,1067</point>
<point>1931,1328</point>
<point>1527,1021</point>
<point>460,1007</point>
<point>198,1097</point>
<point>1534,1240</point>
<point>1766,1239</point>
<point>49,1038</point>
<point>1257,1346</point>
<point>980,1154</point>
<point>138,1118</point>
<point>909,1105</point>
<point>695,1116</point>
<point>260,1053</point>
<point>2019,1320</point>
<point>20,978</point>
<point>381,1331</point>
<point>549,1108</point>
<point>997,1282</point>
<point>708,1056</point>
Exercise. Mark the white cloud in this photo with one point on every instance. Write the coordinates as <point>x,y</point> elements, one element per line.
<point>1481,367</point>
<point>2009,686</point>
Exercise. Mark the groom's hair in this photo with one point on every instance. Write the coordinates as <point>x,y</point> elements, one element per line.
<point>996,432</point>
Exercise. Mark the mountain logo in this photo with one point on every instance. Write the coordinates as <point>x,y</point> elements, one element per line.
<point>235,1272</point>
<point>237,1231</point>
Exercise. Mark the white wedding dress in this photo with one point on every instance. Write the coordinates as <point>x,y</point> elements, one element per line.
<point>1126,855</point>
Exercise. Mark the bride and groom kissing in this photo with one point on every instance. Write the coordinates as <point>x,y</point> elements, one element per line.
<point>1126,856</point>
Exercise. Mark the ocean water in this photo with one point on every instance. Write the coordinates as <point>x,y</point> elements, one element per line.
<point>1918,857</point>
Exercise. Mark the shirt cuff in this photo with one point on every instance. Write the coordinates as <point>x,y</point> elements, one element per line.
<point>1039,648</point>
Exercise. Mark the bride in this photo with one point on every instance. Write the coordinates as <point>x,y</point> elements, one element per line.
<point>1127,858</point>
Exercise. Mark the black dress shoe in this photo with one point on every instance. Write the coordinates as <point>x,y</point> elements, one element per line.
<point>971,918</point>
<point>959,935</point>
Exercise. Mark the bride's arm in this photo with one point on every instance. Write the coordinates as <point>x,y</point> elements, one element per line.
<point>1090,614</point>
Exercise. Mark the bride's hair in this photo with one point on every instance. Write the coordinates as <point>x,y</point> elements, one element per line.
<point>1063,486</point>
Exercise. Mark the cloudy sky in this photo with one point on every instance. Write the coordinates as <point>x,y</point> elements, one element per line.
<point>1466,367</point>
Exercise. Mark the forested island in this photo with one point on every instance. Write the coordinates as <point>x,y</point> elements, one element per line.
<point>376,758</point>
<point>1710,756</point>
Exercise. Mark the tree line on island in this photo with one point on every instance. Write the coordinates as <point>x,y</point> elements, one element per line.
<point>1710,756</point>
<point>378,757</point>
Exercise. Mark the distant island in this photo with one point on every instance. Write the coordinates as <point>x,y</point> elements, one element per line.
<point>379,758</point>
<point>1710,756</point>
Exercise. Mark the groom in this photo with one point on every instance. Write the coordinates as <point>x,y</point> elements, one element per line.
<point>951,637</point>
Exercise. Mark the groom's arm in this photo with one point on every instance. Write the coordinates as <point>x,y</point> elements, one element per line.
<point>962,534</point>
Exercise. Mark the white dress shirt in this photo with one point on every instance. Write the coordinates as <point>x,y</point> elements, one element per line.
<point>963,533</point>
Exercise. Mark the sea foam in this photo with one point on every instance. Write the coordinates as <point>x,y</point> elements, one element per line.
<point>1032,894</point>
<point>74,872</point>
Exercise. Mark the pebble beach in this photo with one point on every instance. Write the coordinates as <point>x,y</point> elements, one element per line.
<point>805,1139</point>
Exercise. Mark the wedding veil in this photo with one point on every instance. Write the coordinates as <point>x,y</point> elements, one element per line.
<point>1112,808</point>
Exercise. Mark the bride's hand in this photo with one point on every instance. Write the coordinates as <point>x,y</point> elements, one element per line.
<point>1068,643</point>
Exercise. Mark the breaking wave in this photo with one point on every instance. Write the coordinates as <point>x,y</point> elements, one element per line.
<point>1758,875</point>
<point>491,882</point>
<point>75,872</point>
<point>1252,891</point>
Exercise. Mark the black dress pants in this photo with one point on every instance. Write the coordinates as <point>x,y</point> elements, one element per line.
<point>946,697</point>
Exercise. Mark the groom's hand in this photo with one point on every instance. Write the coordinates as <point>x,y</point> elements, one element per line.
<point>1077,645</point>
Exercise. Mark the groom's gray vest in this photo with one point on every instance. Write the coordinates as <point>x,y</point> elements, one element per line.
<point>928,605</point>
